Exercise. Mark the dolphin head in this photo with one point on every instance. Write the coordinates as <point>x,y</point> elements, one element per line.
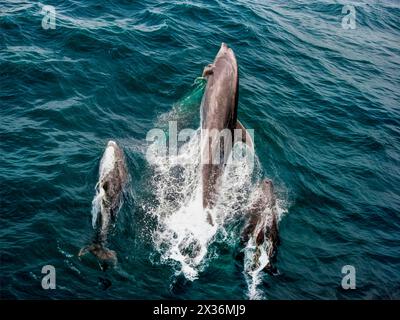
<point>226,53</point>
<point>111,143</point>
<point>224,57</point>
<point>267,187</point>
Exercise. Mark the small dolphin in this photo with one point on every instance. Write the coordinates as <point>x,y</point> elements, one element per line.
<point>261,229</point>
<point>108,200</point>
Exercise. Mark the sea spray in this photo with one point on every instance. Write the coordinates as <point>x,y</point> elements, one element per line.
<point>183,234</point>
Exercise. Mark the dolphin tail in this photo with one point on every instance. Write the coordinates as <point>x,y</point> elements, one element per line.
<point>271,269</point>
<point>100,252</point>
<point>245,136</point>
<point>273,238</point>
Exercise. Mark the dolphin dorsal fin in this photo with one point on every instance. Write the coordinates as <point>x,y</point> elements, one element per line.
<point>246,137</point>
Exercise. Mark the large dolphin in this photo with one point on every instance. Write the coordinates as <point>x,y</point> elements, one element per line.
<point>113,177</point>
<point>261,230</point>
<point>219,115</point>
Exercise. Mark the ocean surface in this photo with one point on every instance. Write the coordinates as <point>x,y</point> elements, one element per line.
<point>324,103</point>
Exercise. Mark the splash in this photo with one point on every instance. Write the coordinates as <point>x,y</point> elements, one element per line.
<point>97,204</point>
<point>183,234</point>
<point>107,164</point>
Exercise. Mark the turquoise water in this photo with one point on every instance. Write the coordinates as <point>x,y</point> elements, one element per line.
<point>323,101</point>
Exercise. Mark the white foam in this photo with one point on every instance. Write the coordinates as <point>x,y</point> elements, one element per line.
<point>97,205</point>
<point>253,281</point>
<point>183,235</point>
<point>107,162</point>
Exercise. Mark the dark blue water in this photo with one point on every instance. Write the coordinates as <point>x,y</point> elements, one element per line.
<point>324,103</point>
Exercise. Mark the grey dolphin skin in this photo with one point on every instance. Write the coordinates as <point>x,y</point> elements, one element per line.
<point>261,227</point>
<point>113,177</point>
<point>219,113</point>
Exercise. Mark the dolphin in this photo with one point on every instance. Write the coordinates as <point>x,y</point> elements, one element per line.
<point>219,116</point>
<point>261,228</point>
<point>113,176</point>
